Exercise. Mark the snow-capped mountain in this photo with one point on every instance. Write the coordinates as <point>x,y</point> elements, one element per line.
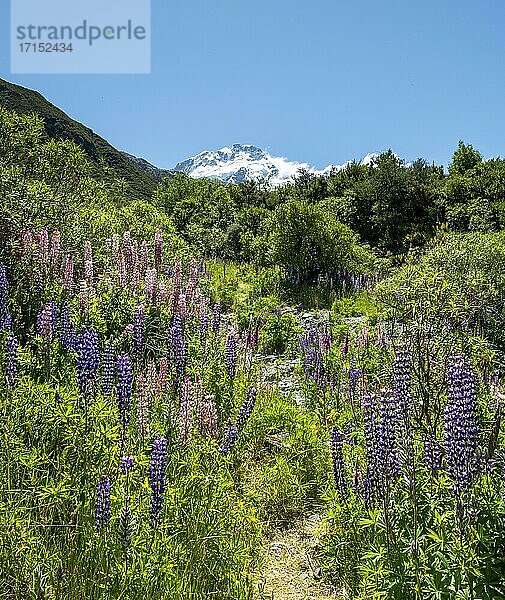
<point>243,162</point>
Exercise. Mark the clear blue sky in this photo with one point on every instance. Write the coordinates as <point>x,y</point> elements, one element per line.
<point>321,81</point>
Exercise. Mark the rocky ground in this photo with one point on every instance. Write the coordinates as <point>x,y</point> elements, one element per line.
<point>291,568</point>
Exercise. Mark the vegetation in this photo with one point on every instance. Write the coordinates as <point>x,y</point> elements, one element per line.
<point>106,163</point>
<point>169,396</point>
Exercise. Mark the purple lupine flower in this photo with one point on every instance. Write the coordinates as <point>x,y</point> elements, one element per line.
<point>124,388</point>
<point>26,243</point>
<point>404,404</point>
<point>68,274</point>
<point>66,331</point>
<point>345,347</point>
<point>142,405</point>
<point>138,328</point>
<point>162,292</point>
<point>108,368</point>
<point>150,284</point>
<point>127,251</point>
<point>314,366</point>
<point>176,287</point>
<point>179,346</point>
<point>354,375</point>
<point>433,454</point>
<point>371,484</point>
<point>232,431</point>
<point>43,248</point>
<point>126,463</point>
<point>186,411</point>
<point>88,360</point>
<point>102,510</point>
<point>461,424</point>
<point>11,361</point>
<point>207,417</point>
<point>229,438</point>
<point>388,448</point>
<point>121,269</point>
<point>204,326</point>
<point>158,249</point>
<point>55,250</point>
<point>182,308</point>
<point>337,455</point>
<point>47,320</point>
<point>161,381</point>
<point>231,355</point>
<point>247,407</point>
<point>216,318</point>
<point>157,478</point>
<point>5,317</point>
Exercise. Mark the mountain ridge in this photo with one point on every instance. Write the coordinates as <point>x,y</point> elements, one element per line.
<point>59,125</point>
<point>244,162</point>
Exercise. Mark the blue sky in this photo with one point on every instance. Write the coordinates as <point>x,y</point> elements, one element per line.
<point>322,81</point>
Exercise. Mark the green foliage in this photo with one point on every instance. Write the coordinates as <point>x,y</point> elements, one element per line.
<point>106,164</point>
<point>458,286</point>
<point>307,243</point>
<point>202,210</point>
<point>279,333</point>
<point>47,183</point>
<point>464,159</point>
<point>287,468</point>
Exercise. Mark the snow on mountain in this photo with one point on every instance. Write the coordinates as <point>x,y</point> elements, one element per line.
<point>243,162</point>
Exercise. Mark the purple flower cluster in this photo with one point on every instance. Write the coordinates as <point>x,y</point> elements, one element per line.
<point>126,464</point>
<point>354,375</point>
<point>337,454</point>
<point>186,411</point>
<point>47,320</point>
<point>108,368</point>
<point>158,249</point>
<point>232,431</point>
<point>216,318</point>
<point>207,417</point>
<point>178,346</point>
<point>381,442</point>
<point>124,388</point>
<point>313,343</point>
<point>142,407</point>
<point>433,454</point>
<point>403,394</point>
<point>247,407</point>
<point>461,424</point>
<point>157,478</point>
<point>229,438</point>
<point>88,360</point>
<point>102,510</point>
<point>67,332</point>
<point>138,328</point>
<point>5,317</point>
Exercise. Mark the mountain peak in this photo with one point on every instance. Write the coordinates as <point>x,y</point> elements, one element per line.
<point>242,162</point>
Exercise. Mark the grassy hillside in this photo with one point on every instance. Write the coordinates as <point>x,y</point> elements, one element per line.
<point>108,162</point>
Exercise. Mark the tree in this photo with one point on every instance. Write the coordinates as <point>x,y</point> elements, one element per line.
<point>308,241</point>
<point>464,159</point>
